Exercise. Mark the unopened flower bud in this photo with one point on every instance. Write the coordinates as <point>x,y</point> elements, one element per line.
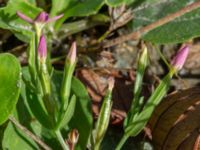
<point>111,83</point>
<point>72,53</point>
<point>42,17</point>
<point>180,58</point>
<point>73,136</point>
<point>42,48</point>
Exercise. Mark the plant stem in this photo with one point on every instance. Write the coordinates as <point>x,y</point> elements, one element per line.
<point>97,145</point>
<point>104,36</point>
<point>122,142</point>
<point>61,140</point>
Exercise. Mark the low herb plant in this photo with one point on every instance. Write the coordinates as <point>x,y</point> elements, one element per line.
<point>53,107</point>
<point>58,101</point>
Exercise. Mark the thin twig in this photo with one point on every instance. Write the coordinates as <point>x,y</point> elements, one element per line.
<point>139,33</point>
<point>123,19</point>
<point>29,134</point>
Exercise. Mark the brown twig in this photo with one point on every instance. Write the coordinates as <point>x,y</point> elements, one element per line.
<point>139,33</point>
<point>123,19</point>
<point>29,134</point>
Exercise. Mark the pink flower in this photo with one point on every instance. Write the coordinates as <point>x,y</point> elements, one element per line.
<point>42,48</point>
<point>180,58</point>
<point>42,17</point>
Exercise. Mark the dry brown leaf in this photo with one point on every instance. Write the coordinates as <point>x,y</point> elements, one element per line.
<point>176,121</point>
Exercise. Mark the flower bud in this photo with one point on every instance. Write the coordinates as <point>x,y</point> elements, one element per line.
<point>73,136</point>
<point>111,82</point>
<point>42,48</point>
<point>72,53</point>
<point>42,17</point>
<point>70,65</point>
<point>180,58</point>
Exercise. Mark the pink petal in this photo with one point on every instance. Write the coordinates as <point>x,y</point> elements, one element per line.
<point>42,17</point>
<point>24,17</point>
<point>54,18</point>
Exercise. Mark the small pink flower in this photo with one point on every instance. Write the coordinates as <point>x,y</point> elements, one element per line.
<point>72,53</point>
<point>180,58</point>
<point>42,17</point>
<point>42,48</point>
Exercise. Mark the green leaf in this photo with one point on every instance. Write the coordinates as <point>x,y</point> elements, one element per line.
<point>9,20</point>
<point>82,119</point>
<point>59,6</point>
<point>14,139</point>
<point>69,112</point>
<point>178,30</point>
<point>10,81</point>
<point>79,8</point>
<point>24,116</point>
<point>31,58</point>
<point>34,101</point>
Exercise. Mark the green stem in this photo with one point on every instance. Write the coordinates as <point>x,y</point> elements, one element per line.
<point>97,145</point>
<point>66,83</point>
<point>104,36</point>
<point>61,140</point>
<point>122,142</point>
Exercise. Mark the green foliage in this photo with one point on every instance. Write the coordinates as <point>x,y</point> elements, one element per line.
<point>10,81</point>
<point>82,116</point>
<point>9,20</point>
<point>78,8</point>
<point>34,101</point>
<point>142,118</point>
<point>14,138</point>
<point>82,119</point>
<point>68,113</point>
<point>138,100</point>
<point>178,30</point>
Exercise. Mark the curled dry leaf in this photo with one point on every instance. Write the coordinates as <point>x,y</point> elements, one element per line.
<point>175,123</point>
